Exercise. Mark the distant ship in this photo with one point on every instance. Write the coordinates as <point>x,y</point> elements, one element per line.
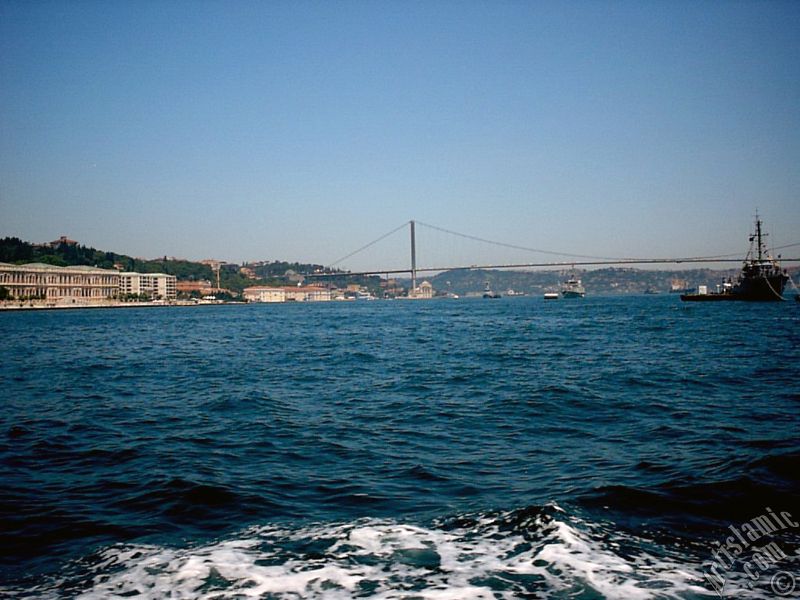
<point>573,288</point>
<point>679,286</point>
<point>488,293</point>
<point>761,278</point>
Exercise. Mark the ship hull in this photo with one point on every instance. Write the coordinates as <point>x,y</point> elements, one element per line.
<point>709,297</point>
<point>761,289</point>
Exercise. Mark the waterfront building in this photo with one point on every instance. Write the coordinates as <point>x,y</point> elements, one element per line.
<point>313,293</point>
<point>156,286</point>
<point>202,287</point>
<point>263,293</point>
<point>392,288</point>
<point>54,285</point>
<point>423,291</point>
<point>307,294</point>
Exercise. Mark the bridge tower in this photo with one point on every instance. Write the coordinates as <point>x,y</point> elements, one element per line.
<point>413,260</point>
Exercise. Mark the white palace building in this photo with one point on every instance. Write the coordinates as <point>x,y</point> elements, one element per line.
<point>57,286</point>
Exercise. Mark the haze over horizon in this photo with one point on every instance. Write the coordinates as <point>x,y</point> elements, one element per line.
<point>301,131</point>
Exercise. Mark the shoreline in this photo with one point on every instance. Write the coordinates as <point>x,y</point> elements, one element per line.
<point>16,307</point>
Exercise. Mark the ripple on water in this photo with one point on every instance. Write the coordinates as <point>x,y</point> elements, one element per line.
<point>207,421</point>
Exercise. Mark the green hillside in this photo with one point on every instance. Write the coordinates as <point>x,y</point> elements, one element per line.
<point>16,251</point>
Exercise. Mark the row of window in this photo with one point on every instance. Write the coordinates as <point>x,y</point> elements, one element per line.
<point>64,293</point>
<point>28,284</point>
<point>40,279</point>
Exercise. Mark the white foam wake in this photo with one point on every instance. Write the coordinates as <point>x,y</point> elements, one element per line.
<point>382,559</point>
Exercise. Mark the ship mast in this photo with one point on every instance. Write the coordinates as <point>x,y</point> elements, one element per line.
<point>758,238</point>
<point>758,235</point>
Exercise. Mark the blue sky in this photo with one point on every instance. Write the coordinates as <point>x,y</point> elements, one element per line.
<point>302,130</point>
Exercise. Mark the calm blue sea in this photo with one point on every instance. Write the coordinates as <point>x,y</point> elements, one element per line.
<point>448,449</point>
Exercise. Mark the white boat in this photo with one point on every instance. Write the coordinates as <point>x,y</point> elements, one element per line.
<point>573,288</point>
<point>551,295</point>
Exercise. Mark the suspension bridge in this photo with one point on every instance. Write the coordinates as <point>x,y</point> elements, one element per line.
<point>567,260</point>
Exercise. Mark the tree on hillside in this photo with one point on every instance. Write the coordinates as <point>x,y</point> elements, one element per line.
<point>14,250</point>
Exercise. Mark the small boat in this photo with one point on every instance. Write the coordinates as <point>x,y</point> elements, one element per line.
<point>761,279</point>
<point>488,293</point>
<point>551,295</point>
<point>573,288</point>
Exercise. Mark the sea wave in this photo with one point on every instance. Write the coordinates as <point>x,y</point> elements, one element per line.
<point>730,491</point>
<point>531,552</point>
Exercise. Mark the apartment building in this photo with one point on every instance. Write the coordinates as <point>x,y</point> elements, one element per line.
<point>156,286</point>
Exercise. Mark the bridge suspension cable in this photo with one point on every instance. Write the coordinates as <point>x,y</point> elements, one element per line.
<point>587,256</point>
<point>514,246</point>
<point>584,260</point>
<point>372,243</point>
<point>583,256</point>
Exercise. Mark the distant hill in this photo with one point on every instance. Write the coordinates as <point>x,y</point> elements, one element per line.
<point>16,251</point>
<point>600,281</point>
<point>233,277</point>
<point>66,252</point>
